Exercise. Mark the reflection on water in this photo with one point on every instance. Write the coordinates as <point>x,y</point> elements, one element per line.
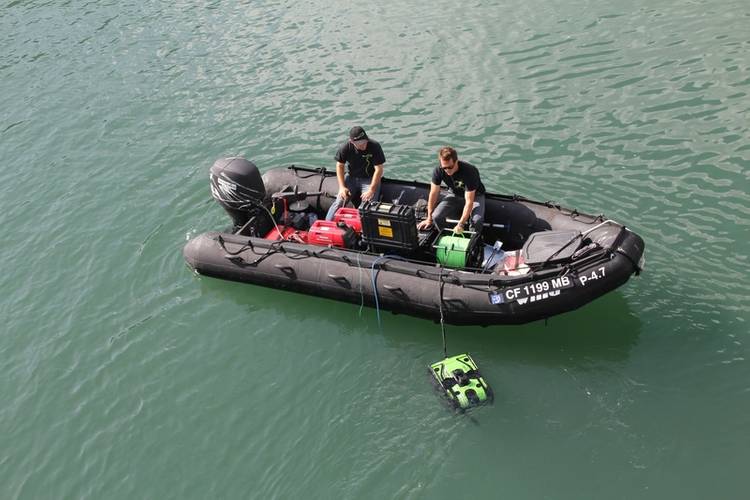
<point>605,329</point>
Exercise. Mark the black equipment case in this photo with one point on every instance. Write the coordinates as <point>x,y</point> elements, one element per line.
<point>386,226</point>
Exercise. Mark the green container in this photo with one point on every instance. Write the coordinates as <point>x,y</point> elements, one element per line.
<point>452,251</point>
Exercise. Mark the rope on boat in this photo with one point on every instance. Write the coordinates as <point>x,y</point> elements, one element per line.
<point>315,171</point>
<point>374,274</point>
<point>361,292</point>
<point>277,246</point>
<point>442,319</point>
<point>320,186</point>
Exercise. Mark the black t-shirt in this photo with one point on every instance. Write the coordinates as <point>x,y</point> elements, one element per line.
<point>361,163</point>
<point>466,178</point>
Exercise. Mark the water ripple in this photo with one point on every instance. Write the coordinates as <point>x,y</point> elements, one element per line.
<point>126,374</point>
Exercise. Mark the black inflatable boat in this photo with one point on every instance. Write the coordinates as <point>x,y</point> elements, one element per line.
<point>532,261</point>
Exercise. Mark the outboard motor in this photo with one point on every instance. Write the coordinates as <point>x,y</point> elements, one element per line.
<point>238,186</point>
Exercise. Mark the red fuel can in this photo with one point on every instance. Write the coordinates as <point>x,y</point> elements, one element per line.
<point>350,217</point>
<point>333,233</point>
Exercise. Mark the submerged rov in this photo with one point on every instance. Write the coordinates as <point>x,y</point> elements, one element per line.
<point>459,380</point>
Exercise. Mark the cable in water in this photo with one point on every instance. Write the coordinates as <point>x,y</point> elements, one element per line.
<point>442,319</point>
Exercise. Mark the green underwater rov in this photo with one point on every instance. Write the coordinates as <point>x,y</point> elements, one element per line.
<point>459,378</point>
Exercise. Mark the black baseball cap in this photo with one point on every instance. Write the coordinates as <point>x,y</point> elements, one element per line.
<point>357,133</point>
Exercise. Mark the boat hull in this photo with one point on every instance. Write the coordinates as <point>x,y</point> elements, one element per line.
<point>407,288</point>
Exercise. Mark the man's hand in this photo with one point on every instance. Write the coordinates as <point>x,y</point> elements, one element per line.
<point>459,229</point>
<point>367,195</point>
<point>425,224</point>
<point>344,193</point>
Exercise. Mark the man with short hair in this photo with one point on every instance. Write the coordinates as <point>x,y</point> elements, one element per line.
<point>364,158</point>
<point>464,202</point>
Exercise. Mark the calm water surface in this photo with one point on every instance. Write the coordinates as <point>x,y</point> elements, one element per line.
<point>123,375</point>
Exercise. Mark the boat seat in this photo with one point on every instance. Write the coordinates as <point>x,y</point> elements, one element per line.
<point>542,245</point>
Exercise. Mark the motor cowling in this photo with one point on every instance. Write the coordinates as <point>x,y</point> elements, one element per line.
<point>237,185</point>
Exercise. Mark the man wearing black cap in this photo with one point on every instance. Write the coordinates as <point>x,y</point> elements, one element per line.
<point>365,159</point>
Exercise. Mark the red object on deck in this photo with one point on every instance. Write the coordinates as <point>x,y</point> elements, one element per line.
<point>514,263</point>
<point>288,233</point>
<point>326,233</point>
<point>350,217</point>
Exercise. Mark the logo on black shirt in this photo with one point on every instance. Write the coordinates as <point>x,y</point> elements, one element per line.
<point>368,162</point>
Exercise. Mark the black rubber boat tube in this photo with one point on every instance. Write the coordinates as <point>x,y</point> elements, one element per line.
<point>403,287</point>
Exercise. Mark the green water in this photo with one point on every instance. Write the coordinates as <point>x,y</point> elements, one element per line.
<point>123,375</point>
